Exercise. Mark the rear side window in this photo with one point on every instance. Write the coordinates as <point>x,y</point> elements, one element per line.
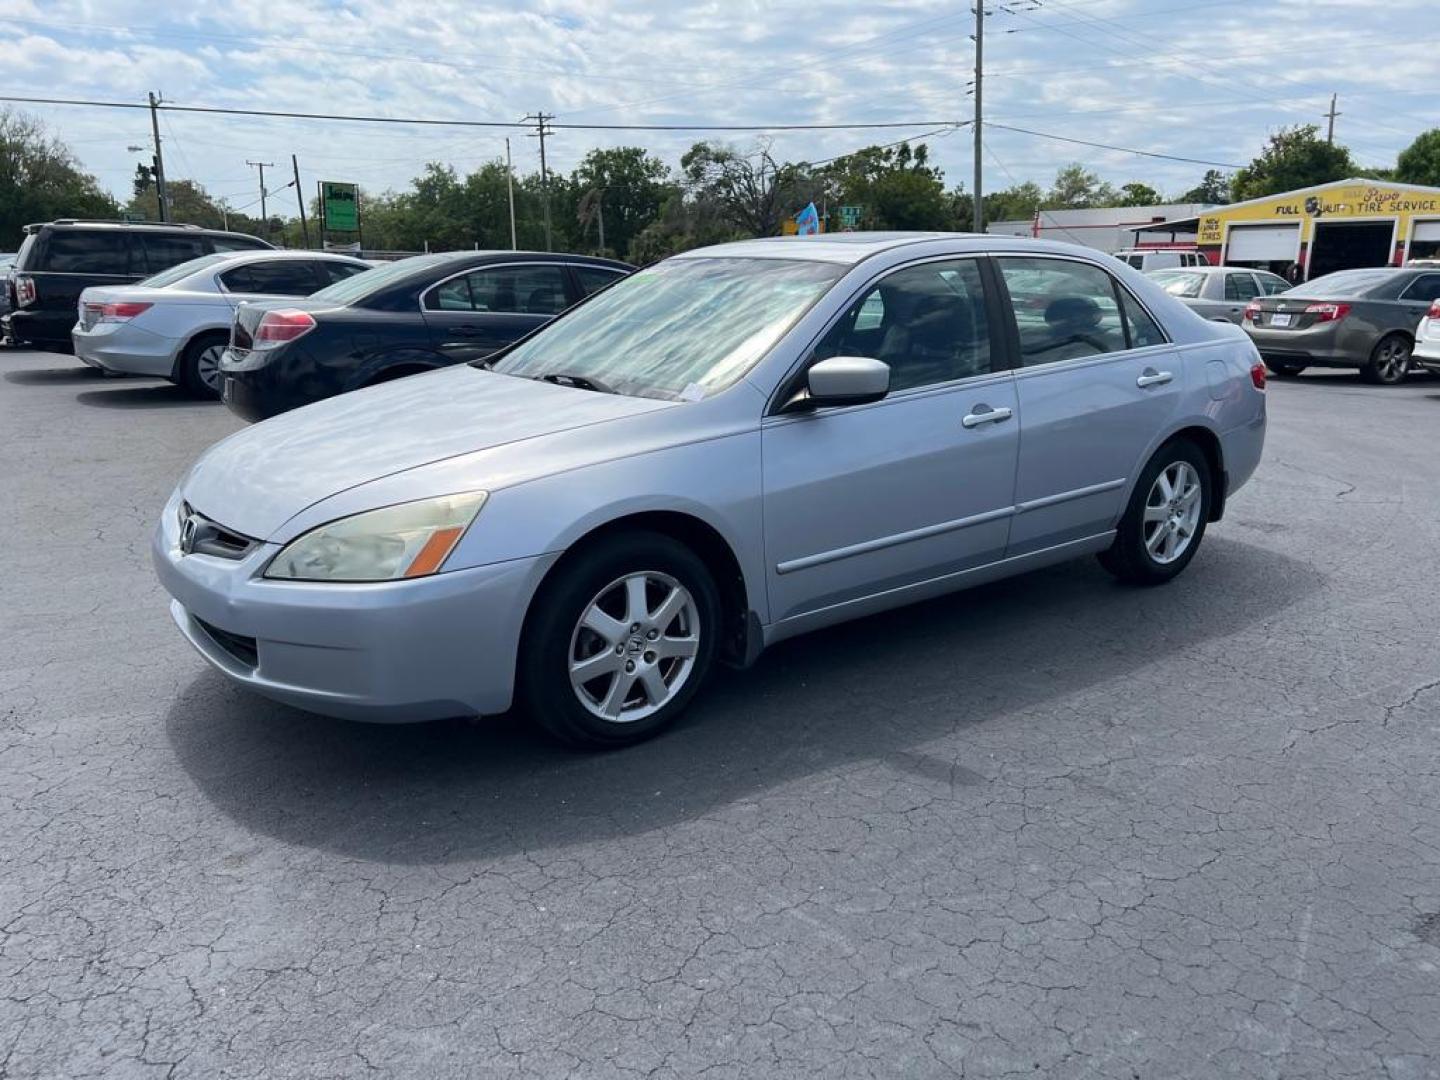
<point>331,272</point>
<point>236,243</point>
<point>594,278</point>
<point>163,251</point>
<point>90,251</point>
<point>1425,287</point>
<point>1068,310</point>
<point>1240,287</point>
<point>278,277</point>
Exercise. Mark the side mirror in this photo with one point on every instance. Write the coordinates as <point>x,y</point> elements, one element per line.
<point>847,380</point>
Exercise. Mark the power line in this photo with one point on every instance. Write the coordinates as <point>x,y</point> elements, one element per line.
<point>287,115</point>
<point>1120,149</point>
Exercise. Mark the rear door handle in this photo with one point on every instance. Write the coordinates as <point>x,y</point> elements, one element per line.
<point>984,414</point>
<point>1151,377</point>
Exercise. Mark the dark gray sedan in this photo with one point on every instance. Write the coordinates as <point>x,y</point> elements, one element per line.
<point>1362,319</point>
<point>1219,293</point>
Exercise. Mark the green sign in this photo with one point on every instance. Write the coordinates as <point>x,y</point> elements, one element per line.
<point>340,204</point>
<point>850,216</point>
<point>131,216</point>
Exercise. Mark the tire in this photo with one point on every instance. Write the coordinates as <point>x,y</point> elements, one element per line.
<point>1389,361</point>
<point>1141,555</point>
<point>199,365</point>
<point>1282,369</point>
<point>635,690</point>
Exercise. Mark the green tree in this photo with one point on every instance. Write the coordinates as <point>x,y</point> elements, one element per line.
<point>896,188</point>
<point>1137,194</point>
<point>1076,188</point>
<point>750,192</point>
<point>1419,163</point>
<point>1294,158</point>
<point>191,204</point>
<point>1214,188</point>
<point>626,186</point>
<point>40,180</point>
<point>1017,203</point>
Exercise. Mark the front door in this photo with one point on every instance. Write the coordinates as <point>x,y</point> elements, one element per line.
<point>864,499</point>
<point>471,315</point>
<point>1096,381</point>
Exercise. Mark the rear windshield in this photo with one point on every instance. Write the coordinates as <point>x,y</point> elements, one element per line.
<point>181,270</point>
<point>1344,283</point>
<point>352,290</point>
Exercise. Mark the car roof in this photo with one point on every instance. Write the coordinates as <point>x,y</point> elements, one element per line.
<point>847,248</point>
<point>135,226</point>
<point>485,255</point>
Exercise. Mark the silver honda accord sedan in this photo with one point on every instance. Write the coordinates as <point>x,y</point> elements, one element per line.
<point>728,448</point>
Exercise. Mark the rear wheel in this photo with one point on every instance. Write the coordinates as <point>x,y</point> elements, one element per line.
<point>1389,361</point>
<point>200,365</point>
<point>1165,521</point>
<point>1284,369</point>
<point>619,641</point>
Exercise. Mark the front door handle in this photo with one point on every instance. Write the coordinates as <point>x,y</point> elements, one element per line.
<point>1151,377</point>
<point>984,414</point>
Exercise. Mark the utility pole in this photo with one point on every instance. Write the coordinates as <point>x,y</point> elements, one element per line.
<point>300,198</point>
<point>541,130</point>
<point>162,196</point>
<point>510,190</point>
<point>977,215</point>
<point>262,166</point>
<point>1332,114</point>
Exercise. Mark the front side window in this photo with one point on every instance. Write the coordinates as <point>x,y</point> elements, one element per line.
<point>1270,284</point>
<point>94,251</point>
<point>1063,310</point>
<point>926,322</point>
<point>682,328</point>
<point>1240,287</point>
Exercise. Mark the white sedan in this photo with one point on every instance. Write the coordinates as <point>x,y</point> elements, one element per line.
<point>1427,340</point>
<point>176,324</point>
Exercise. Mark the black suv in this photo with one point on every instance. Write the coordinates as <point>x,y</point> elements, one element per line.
<point>60,258</point>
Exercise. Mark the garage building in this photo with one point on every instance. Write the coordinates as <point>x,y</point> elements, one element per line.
<point>1318,230</point>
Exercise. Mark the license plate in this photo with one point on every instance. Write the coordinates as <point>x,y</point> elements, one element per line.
<point>1280,320</point>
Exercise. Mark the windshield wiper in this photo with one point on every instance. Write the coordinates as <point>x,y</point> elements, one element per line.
<point>579,382</point>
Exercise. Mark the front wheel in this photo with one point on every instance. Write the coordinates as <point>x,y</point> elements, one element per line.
<point>619,641</point>
<point>1389,361</point>
<point>200,365</point>
<point>1165,520</point>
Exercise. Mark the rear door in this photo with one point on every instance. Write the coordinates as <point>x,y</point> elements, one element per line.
<point>476,312</point>
<point>1417,298</point>
<point>1097,381</point>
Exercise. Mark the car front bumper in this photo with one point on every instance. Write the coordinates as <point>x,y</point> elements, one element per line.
<point>125,348</point>
<point>390,652</point>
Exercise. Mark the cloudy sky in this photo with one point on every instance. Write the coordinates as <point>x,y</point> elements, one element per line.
<point>1203,79</point>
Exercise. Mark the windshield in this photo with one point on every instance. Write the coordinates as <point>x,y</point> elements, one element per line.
<point>181,270</point>
<point>368,282</point>
<point>681,329</point>
<point>1343,283</point>
<point>1179,283</point>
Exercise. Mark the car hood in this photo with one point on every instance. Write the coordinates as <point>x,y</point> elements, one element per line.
<point>259,478</point>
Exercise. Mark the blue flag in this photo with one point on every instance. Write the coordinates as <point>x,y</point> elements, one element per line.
<point>807,222</point>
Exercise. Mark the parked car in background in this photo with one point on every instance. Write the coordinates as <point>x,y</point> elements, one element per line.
<point>7,263</point>
<point>1362,319</point>
<point>1218,292</point>
<point>177,323</point>
<point>1146,259</point>
<point>60,259</point>
<point>728,448</point>
<point>420,313</point>
<point>1427,339</point>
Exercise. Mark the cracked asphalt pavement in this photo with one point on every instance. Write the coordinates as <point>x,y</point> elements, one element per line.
<point>1053,827</point>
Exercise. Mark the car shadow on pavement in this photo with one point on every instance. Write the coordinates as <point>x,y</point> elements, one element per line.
<point>873,689</point>
<point>155,396</point>
<point>78,373</point>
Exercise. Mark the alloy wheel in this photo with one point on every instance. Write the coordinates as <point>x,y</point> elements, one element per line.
<point>207,366</point>
<point>1392,360</point>
<point>634,646</point>
<point>1172,512</point>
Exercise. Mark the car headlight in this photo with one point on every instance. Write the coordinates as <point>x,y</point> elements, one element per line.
<point>405,541</point>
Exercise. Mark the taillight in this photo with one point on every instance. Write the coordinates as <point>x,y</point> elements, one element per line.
<point>1434,310</point>
<point>1328,312</point>
<point>1257,376</point>
<point>278,327</point>
<point>1252,312</point>
<point>24,290</point>
<point>121,310</point>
